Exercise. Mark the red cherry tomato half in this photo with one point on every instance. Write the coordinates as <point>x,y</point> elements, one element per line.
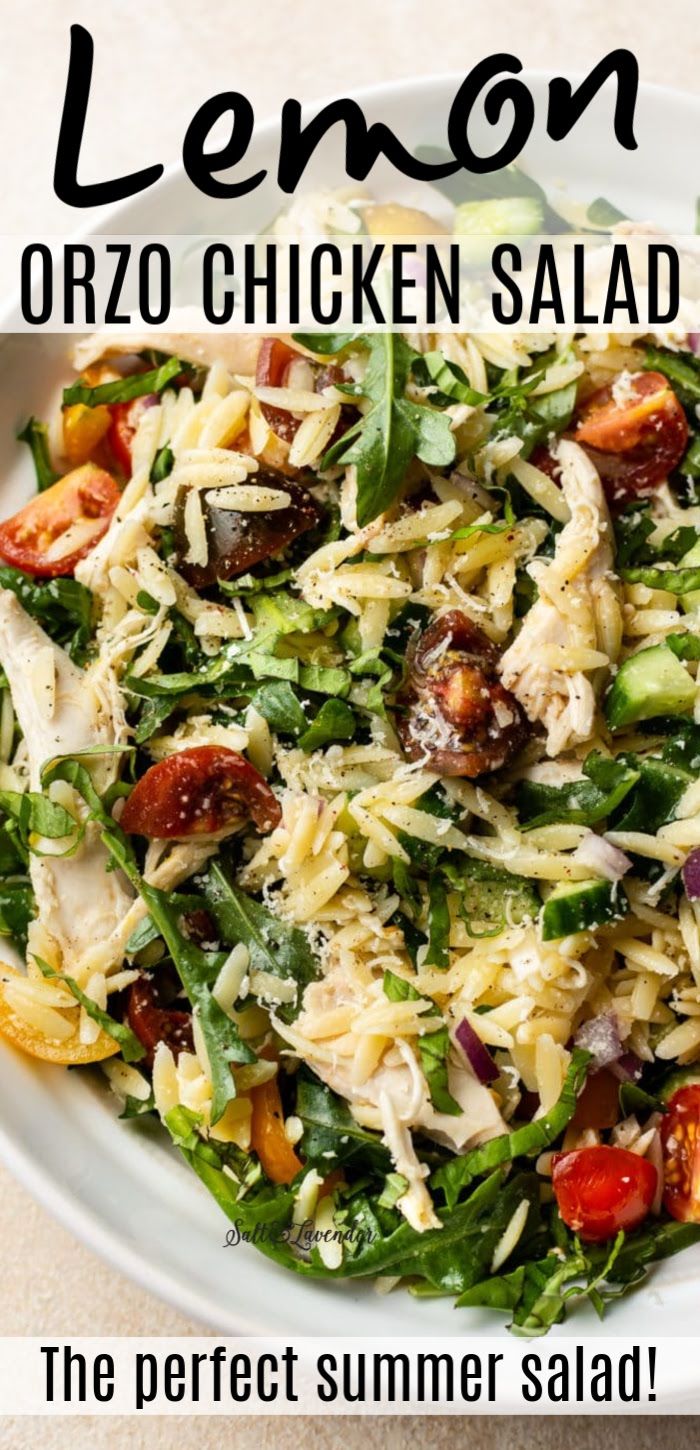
<point>125,420</point>
<point>637,441</point>
<point>53,532</point>
<point>680,1140</point>
<point>152,1023</point>
<point>274,361</point>
<point>453,710</point>
<point>197,792</point>
<point>602,1190</point>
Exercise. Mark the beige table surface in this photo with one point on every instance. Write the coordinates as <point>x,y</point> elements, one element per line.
<point>155,63</point>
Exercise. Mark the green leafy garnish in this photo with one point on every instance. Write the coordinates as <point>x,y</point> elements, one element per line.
<point>35,814</point>
<point>398,989</point>
<point>584,802</point>
<point>196,968</point>
<point>433,1050</point>
<point>394,431</point>
<point>432,369</point>
<point>274,946</point>
<point>123,390</point>
<point>331,1135</point>
<point>438,953</point>
<point>529,1140</point>
<point>63,607</point>
<point>334,721</point>
<point>675,581</point>
<point>132,1050</point>
<point>36,436</point>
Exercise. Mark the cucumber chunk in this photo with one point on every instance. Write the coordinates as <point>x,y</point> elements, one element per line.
<point>682,1077</point>
<point>653,682</point>
<point>581,906</point>
<point>512,216</point>
<point>691,601</point>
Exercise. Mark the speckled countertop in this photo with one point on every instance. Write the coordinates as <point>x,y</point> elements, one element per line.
<point>154,65</point>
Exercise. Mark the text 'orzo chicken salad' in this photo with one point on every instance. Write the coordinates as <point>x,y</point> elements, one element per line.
<point>350,791</point>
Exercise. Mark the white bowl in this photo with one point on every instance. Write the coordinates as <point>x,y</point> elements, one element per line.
<point>118,1185</point>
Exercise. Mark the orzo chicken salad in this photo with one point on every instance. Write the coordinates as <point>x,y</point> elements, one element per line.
<point>350,791</point>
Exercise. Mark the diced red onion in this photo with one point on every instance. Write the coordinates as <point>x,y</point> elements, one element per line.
<point>691,875</point>
<point>603,858</point>
<point>601,1037</point>
<point>528,1105</point>
<point>694,342</point>
<point>628,1068</point>
<point>478,1056</point>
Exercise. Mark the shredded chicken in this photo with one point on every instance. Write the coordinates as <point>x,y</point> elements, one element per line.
<point>395,1097</point>
<point>236,350</point>
<point>79,902</point>
<point>576,593</point>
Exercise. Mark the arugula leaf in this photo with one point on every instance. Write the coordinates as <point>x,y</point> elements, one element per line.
<point>331,1135</point>
<point>384,441</point>
<point>653,1242</point>
<point>132,1050</point>
<point>529,1140</point>
<point>196,968</point>
<point>433,1049</point>
<point>274,946</point>
<point>634,1099</point>
<point>519,415</point>
<point>154,713</point>
<point>197,971</point>
<point>122,390</point>
<point>582,802</point>
<point>36,436</point>
<point>499,1291</point>
<point>438,953</point>
<point>334,721</point>
<point>454,1256</point>
<point>62,606</point>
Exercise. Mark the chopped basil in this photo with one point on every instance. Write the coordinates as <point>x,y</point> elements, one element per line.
<point>36,436</point>
<point>124,390</point>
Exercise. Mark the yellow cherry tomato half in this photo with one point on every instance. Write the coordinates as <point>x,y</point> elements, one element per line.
<point>69,1051</point>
